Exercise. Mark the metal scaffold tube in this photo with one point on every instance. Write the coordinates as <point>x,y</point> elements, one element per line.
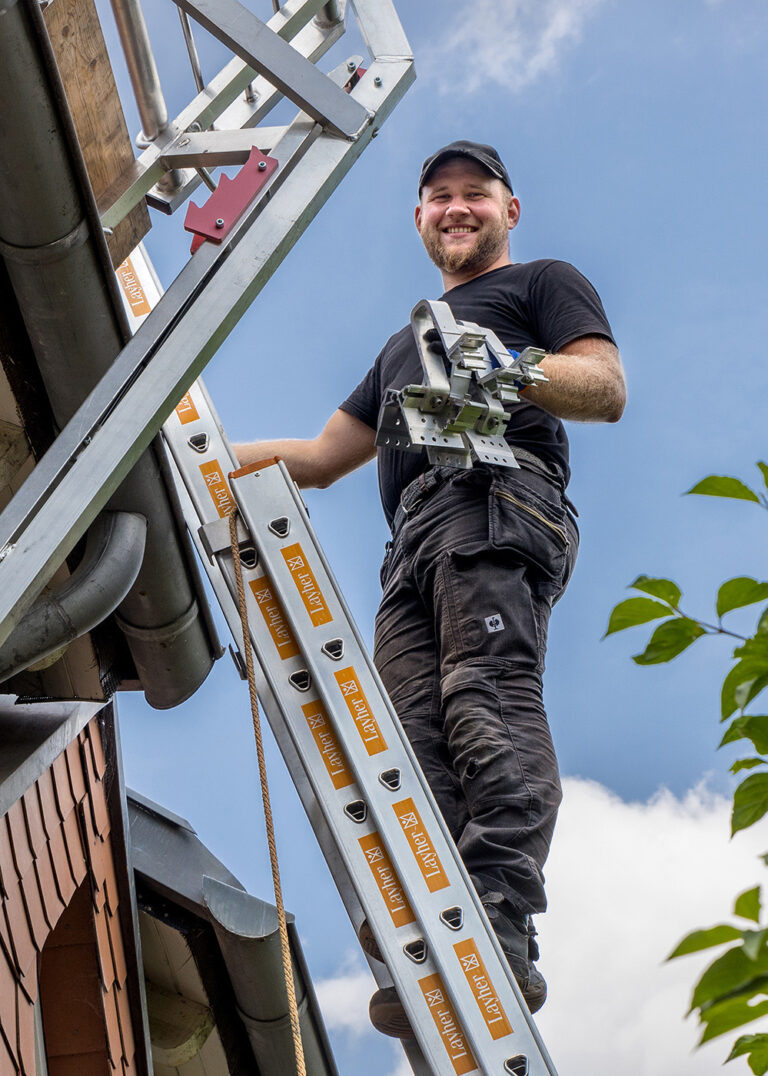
<point>141,67</point>
<point>189,41</point>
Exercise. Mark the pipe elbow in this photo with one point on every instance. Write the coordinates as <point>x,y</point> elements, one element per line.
<point>113,555</point>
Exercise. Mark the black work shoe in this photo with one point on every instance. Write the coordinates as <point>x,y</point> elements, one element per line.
<point>517,940</point>
<point>368,942</point>
<point>388,1014</point>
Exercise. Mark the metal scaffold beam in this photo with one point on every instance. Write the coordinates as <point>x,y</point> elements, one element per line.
<point>125,410</point>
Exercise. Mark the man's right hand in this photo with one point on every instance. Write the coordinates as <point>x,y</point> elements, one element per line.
<point>345,444</point>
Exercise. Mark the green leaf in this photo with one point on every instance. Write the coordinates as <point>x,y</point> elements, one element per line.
<point>764,472</point>
<point>737,593</point>
<point>752,727</point>
<point>724,1017</point>
<point>730,974</point>
<point>747,671</point>
<point>635,611</point>
<point>762,624</point>
<point>745,693</point>
<point>756,1049</point>
<point>754,649</point>
<point>750,802</point>
<point>705,939</point>
<point>747,764</point>
<point>747,904</point>
<point>658,588</point>
<point>754,942</point>
<point>717,485</point>
<point>669,640</point>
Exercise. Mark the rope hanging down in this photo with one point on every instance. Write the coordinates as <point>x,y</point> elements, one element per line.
<point>283,926</point>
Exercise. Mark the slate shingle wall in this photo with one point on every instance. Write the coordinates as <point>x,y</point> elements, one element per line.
<point>60,910</point>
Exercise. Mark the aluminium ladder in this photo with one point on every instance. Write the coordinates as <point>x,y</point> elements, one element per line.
<point>378,825</point>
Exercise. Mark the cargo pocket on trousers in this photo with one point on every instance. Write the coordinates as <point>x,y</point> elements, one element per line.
<point>531,526</point>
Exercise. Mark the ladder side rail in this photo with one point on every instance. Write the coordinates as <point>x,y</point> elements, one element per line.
<point>351,872</point>
<point>207,498</point>
<point>221,579</point>
<point>380,800</point>
<point>289,727</point>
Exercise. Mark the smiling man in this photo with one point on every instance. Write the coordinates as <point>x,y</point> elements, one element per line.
<point>478,557</point>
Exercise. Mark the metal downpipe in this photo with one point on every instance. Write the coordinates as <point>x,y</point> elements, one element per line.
<point>248,936</point>
<point>113,554</point>
<point>67,297</point>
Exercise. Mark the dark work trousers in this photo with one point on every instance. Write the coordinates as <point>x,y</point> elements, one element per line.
<point>468,585</point>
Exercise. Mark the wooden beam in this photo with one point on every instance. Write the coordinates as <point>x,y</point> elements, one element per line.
<point>81,53</point>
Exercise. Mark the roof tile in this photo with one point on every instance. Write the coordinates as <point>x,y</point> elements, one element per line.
<point>33,902</point>
<point>62,873</point>
<point>75,849</point>
<point>97,748</point>
<point>104,949</point>
<point>5,934</point>
<point>77,776</point>
<point>118,949</point>
<point>33,817</point>
<point>17,827</point>
<point>100,810</point>
<point>64,799</point>
<point>8,993</point>
<point>112,1020</point>
<point>110,879</point>
<point>26,1035</point>
<point>53,905</point>
<point>19,930</point>
<point>128,1048</point>
<point>47,797</point>
<point>8,1056</point>
<point>5,938</point>
<point>7,862</point>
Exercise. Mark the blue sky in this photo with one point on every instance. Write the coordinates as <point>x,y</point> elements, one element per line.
<point>635,137</point>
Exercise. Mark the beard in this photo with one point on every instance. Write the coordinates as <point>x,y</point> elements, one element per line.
<point>492,240</point>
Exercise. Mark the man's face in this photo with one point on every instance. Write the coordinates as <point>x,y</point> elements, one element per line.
<point>464,216</point>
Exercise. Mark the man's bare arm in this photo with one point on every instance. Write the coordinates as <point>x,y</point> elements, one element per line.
<point>344,444</point>
<point>586,382</point>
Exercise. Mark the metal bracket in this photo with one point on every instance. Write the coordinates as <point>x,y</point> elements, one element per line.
<point>215,537</point>
<point>458,412</point>
<point>217,149</point>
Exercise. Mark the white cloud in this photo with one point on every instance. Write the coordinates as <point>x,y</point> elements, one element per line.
<point>625,882</point>
<point>511,44</point>
<point>344,998</point>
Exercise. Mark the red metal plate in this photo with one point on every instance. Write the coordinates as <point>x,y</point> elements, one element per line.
<point>214,220</point>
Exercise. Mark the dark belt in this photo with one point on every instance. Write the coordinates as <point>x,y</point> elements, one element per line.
<point>424,485</point>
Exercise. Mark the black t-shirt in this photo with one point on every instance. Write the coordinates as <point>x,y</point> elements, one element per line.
<point>542,304</point>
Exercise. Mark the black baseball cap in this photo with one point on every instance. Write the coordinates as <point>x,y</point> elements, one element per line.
<point>475,151</point>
